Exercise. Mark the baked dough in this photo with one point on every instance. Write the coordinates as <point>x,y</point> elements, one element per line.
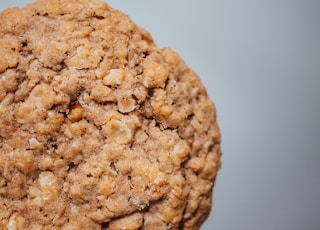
<point>99,128</point>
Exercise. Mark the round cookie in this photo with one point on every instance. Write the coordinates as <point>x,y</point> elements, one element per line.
<point>99,128</point>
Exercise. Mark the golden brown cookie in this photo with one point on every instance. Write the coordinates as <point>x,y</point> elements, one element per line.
<point>99,128</point>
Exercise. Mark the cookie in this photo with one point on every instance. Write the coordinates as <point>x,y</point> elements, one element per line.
<point>99,128</point>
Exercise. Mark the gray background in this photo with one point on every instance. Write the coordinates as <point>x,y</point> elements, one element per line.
<point>260,61</point>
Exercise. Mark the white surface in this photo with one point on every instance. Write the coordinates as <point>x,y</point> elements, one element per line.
<point>260,61</point>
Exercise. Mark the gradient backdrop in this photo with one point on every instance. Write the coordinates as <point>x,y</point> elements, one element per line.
<point>260,61</point>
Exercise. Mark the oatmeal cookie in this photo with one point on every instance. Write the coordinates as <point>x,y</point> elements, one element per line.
<point>99,128</point>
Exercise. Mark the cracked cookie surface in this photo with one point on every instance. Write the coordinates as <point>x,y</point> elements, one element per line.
<point>99,128</point>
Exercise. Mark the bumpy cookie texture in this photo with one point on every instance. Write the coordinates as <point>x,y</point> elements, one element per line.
<point>99,129</point>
